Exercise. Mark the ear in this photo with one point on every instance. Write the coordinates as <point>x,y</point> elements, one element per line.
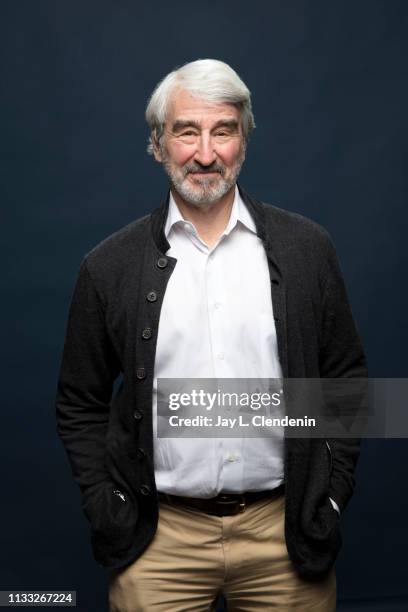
<point>156,149</point>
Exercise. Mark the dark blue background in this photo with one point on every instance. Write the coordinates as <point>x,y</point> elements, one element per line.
<point>329,85</point>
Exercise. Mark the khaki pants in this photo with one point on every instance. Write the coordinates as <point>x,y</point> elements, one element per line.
<point>195,556</point>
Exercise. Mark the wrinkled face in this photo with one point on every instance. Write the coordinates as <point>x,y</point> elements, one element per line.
<point>202,147</point>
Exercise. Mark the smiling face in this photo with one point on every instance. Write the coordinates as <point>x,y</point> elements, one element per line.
<point>202,147</point>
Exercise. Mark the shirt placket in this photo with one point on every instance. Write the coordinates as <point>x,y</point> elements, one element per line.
<point>228,450</point>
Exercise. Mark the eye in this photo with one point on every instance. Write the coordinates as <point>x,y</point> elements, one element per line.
<point>223,134</point>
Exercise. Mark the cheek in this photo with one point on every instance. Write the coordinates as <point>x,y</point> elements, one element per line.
<point>180,154</point>
<point>231,153</point>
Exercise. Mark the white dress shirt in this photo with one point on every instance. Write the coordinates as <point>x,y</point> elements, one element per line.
<point>217,321</point>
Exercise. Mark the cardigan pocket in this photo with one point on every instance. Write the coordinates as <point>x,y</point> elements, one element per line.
<point>113,516</point>
<point>324,524</point>
<point>111,507</point>
<point>319,519</point>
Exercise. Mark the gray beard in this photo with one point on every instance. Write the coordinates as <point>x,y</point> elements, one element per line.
<point>208,190</point>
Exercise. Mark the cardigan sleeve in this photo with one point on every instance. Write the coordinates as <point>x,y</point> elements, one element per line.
<point>341,355</point>
<point>88,370</point>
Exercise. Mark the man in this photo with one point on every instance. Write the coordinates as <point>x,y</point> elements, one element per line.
<point>213,284</point>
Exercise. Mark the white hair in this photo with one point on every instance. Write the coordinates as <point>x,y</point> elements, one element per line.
<point>209,80</point>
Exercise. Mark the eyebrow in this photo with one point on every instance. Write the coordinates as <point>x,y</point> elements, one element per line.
<point>182,124</point>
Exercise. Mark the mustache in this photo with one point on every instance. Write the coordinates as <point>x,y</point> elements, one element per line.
<point>194,167</point>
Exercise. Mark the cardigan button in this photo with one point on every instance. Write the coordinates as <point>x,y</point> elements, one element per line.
<point>151,296</point>
<point>141,453</point>
<point>140,373</point>
<point>162,262</point>
<point>144,489</point>
<point>147,333</point>
<point>137,415</point>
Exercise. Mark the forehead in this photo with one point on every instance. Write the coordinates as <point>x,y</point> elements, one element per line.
<point>184,106</point>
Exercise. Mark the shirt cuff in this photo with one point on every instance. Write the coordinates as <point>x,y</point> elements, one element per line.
<point>335,506</point>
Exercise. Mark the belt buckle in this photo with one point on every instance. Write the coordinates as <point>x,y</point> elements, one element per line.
<point>241,500</point>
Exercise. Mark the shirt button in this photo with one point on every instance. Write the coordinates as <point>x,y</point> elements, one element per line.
<point>137,415</point>
<point>147,333</point>
<point>221,356</point>
<point>140,373</point>
<point>231,458</point>
<point>217,305</point>
<point>162,262</point>
<point>144,489</point>
<point>151,296</point>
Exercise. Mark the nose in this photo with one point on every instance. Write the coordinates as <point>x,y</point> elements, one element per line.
<point>205,154</point>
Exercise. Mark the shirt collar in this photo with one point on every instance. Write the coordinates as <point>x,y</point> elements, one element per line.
<point>239,212</point>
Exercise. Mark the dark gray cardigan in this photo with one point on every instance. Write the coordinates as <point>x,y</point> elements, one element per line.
<point>109,441</point>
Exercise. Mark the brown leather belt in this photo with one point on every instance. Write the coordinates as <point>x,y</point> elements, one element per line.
<point>224,504</point>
